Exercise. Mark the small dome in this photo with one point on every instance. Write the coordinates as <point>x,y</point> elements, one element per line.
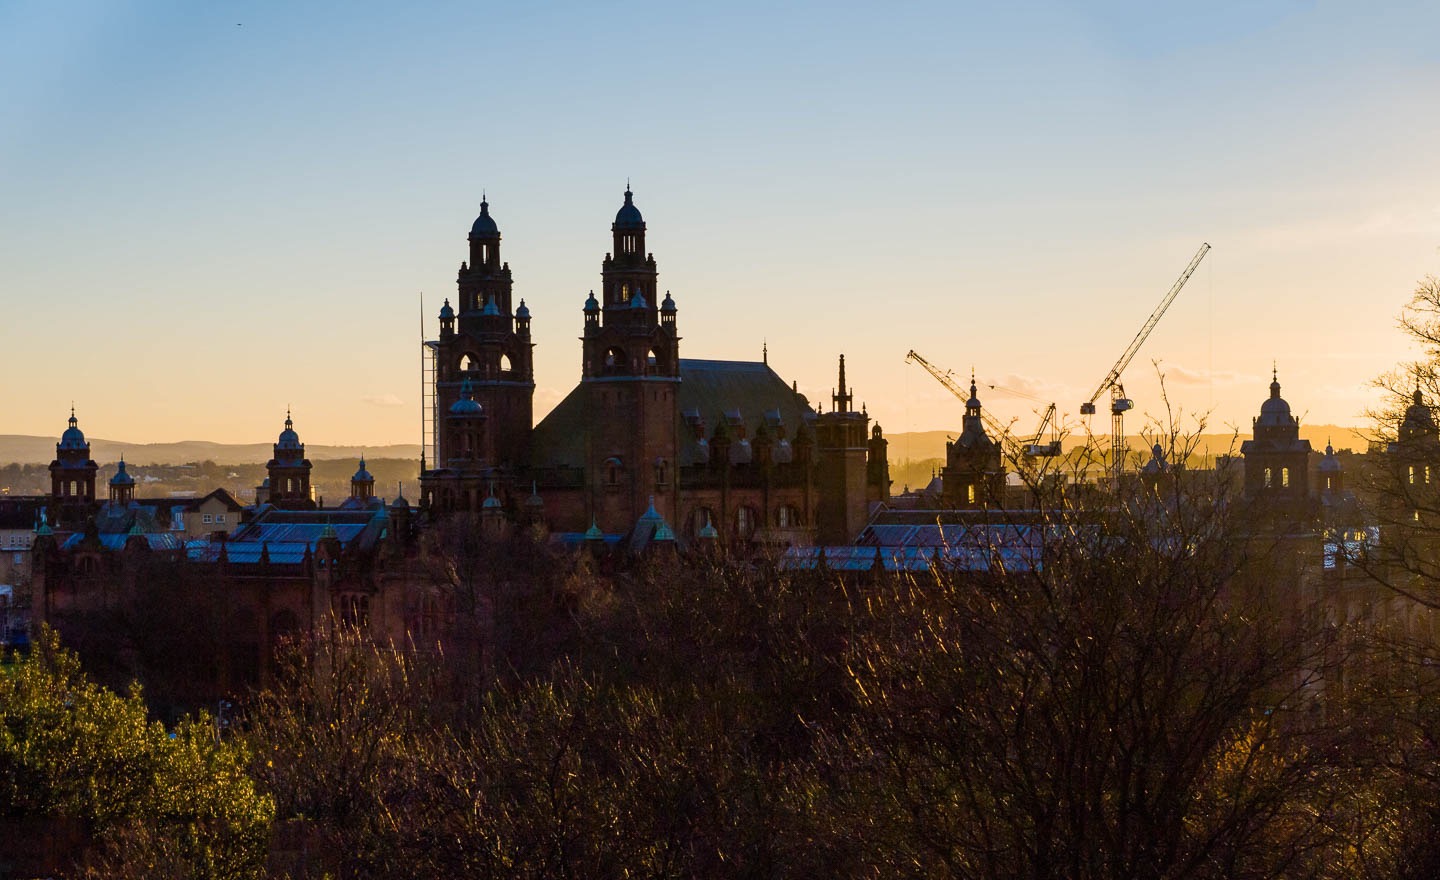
<point>639,301</point>
<point>1274,412</point>
<point>591,303</point>
<point>73,438</point>
<point>121,478</point>
<point>446,311</point>
<point>362,475</point>
<point>491,503</point>
<point>593,533</point>
<point>400,503</point>
<point>523,311</point>
<point>484,226</point>
<point>628,217</point>
<point>466,405</point>
<point>534,502</point>
<point>1418,420</point>
<point>288,439</point>
<point>491,308</point>
<point>669,304</point>
<point>1329,464</point>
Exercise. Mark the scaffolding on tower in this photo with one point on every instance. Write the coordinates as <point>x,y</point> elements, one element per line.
<point>429,369</point>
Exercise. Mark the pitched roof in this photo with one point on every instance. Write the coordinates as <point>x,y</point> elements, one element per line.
<point>707,387</point>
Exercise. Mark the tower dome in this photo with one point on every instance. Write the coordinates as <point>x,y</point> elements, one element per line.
<point>288,439</point>
<point>484,226</point>
<point>1329,464</point>
<point>121,478</point>
<point>1419,421</point>
<point>466,405</point>
<point>362,475</point>
<point>628,217</point>
<point>446,311</point>
<point>1275,411</point>
<point>73,438</point>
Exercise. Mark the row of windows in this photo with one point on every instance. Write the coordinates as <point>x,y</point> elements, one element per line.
<point>217,519</point>
<point>746,519</point>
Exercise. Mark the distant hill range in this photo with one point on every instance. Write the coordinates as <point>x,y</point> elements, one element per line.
<point>922,445</point>
<point>915,446</point>
<point>21,449</point>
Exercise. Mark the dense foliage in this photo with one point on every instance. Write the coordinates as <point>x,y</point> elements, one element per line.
<point>152,802</point>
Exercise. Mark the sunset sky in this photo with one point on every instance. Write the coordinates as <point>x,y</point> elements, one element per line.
<point>215,210</point>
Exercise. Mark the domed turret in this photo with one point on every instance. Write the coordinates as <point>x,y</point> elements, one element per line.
<point>288,439</point>
<point>1419,420</point>
<point>484,225</point>
<point>73,438</point>
<point>523,312</point>
<point>1275,411</point>
<point>668,305</point>
<point>466,405</point>
<point>122,485</point>
<point>628,217</point>
<point>121,478</point>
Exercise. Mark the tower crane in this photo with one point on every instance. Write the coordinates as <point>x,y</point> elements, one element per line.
<point>946,378</point>
<point>1038,445</point>
<point>1119,403</point>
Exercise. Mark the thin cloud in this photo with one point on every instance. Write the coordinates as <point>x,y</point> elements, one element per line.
<point>383,400</point>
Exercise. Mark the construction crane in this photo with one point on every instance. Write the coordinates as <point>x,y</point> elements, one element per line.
<point>946,378</point>
<point>1038,447</point>
<point>1119,403</point>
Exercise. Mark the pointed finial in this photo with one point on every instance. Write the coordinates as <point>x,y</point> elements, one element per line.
<point>765,352</point>
<point>1274,371</point>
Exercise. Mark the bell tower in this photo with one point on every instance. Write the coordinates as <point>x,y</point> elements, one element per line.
<point>289,471</point>
<point>630,366</point>
<point>486,342</point>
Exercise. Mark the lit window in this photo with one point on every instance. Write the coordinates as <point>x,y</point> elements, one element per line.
<point>1267,478</point>
<point>1412,474</point>
<point>970,493</point>
<point>1285,477</point>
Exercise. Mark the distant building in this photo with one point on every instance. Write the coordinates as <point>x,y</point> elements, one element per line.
<point>707,446</point>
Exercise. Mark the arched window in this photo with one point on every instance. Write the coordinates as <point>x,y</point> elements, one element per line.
<point>1285,477</point>
<point>651,361</point>
<point>1267,478</point>
<point>744,521</point>
<point>615,361</point>
<point>787,516</point>
<point>660,471</point>
<point>624,293</point>
<point>469,361</point>
<point>505,364</point>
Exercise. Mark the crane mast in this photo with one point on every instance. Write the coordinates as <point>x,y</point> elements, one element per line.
<point>1119,403</point>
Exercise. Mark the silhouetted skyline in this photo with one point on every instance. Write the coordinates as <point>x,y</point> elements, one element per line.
<point>206,223</point>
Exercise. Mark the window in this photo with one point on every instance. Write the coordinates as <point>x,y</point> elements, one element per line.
<point>787,516</point>
<point>205,519</point>
<point>1285,477</point>
<point>744,522</point>
<point>1412,474</point>
<point>220,519</point>
<point>1267,478</point>
<point>970,493</point>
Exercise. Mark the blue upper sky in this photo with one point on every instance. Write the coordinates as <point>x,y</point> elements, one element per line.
<point>213,210</point>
